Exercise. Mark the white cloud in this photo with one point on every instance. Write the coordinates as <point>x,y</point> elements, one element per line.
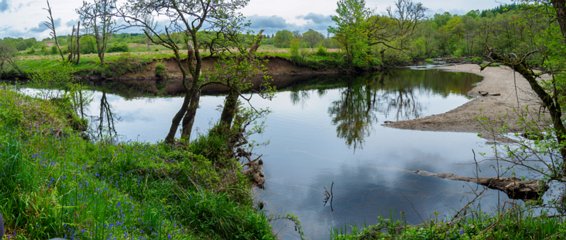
<point>18,19</point>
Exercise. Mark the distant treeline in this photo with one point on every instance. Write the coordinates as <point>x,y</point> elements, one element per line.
<point>442,35</point>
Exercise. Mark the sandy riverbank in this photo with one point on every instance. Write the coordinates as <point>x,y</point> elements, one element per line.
<point>500,107</point>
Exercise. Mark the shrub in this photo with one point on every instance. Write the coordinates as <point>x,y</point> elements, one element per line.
<point>119,47</point>
<point>476,60</point>
<point>88,44</point>
<point>321,51</point>
<point>160,71</point>
<point>295,49</point>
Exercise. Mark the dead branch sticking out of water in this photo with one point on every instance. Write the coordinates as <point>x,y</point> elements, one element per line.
<point>514,188</point>
<point>329,197</point>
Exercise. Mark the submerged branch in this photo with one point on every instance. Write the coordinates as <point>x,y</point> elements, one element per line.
<point>514,188</point>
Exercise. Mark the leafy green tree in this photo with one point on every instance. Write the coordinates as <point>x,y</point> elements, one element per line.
<point>187,18</point>
<point>550,44</point>
<point>283,38</point>
<point>88,44</point>
<point>312,38</point>
<point>351,31</point>
<point>98,16</point>
<point>7,55</point>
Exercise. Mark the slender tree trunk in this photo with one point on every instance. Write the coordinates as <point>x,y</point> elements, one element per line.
<point>551,103</point>
<point>71,48</point>
<point>189,118</point>
<point>230,109</point>
<point>560,6</point>
<point>78,49</point>
<point>170,139</point>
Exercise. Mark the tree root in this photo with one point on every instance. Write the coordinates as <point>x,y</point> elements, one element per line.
<point>514,188</point>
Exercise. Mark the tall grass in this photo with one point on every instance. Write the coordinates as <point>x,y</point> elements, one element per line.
<point>514,223</point>
<point>53,183</point>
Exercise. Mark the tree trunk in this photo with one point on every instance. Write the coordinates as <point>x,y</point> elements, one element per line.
<point>170,139</point>
<point>230,109</point>
<point>560,6</point>
<point>78,49</point>
<point>552,104</point>
<point>189,118</point>
<point>514,188</point>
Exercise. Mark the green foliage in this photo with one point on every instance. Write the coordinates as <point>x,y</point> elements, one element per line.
<point>56,184</point>
<point>295,49</point>
<point>511,224</point>
<point>283,39</point>
<point>312,38</point>
<point>7,55</point>
<point>215,215</point>
<point>160,71</point>
<point>351,31</point>
<point>59,75</point>
<point>321,51</point>
<point>88,44</point>
<point>20,44</point>
<point>118,47</point>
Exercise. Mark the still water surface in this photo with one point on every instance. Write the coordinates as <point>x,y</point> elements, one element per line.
<point>330,130</point>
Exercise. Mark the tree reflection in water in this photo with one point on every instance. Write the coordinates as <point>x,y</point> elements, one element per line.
<point>106,130</point>
<point>395,95</point>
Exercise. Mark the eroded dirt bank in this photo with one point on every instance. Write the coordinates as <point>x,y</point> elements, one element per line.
<point>499,106</point>
<point>284,73</point>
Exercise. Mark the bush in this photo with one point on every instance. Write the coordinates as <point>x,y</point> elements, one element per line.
<point>321,51</point>
<point>59,75</point>
<point>476,60</point>
<point>119,47</point>
<point>295,49</point>
<point>88,44</point>
<point>160,71</point>
<point>217,215</point>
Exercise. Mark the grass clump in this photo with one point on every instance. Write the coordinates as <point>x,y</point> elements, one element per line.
<point>53,183</point>
<point>515,223</point>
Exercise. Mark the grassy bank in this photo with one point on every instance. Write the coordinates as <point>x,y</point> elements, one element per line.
<point>118,64</point>
<point>515,223</point>
<point>53,183</point>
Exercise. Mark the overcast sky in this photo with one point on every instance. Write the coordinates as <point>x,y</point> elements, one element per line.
<point>22,18</point>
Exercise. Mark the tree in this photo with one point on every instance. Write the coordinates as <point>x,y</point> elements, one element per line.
<point>50,24</point>
<point>87,44</point>
<point>75,45</point>
<point>7,55</point>
<point>359,30</point>
<point>283,38</point>
<point>237,71</point>
<point>98,16</point>
<point>186,18</point>
<point>392,31</point>
<point>313,38</point>
<point>550,92</point>
<point>351,30</point>
<point>560,7</point>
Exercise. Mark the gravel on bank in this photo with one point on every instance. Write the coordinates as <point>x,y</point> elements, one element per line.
<point>496,104</point>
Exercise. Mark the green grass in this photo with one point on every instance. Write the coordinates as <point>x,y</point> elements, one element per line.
<point>118,64</point>
<point>511,224</point>
<point>53,183</point>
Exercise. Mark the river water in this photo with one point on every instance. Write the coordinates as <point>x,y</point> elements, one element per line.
<point>329,132</point>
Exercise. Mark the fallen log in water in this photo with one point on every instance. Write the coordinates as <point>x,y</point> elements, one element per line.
<point>514,188</point>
